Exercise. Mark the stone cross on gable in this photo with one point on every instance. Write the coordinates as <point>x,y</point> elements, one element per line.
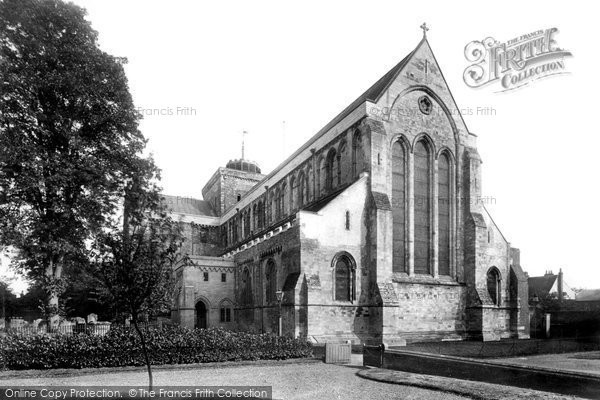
<point>425,28</point>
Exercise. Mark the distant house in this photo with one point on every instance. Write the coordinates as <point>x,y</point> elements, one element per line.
<point>549,286</point>
<point>568,315</point>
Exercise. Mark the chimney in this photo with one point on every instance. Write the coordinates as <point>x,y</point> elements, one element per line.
<point>560,285</point>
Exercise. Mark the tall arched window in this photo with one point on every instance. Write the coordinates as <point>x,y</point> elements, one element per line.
<point>242,223</point>
<point>422,187</point>
<point>272,204</point>
<point>293,193</point>
<point>399,207</point>
<point>338,165</point>
<point>285,200</point>
<point>444,199</point>
<point>246,223</point>
<point>322,177</point>
<point>226,308</point>
<point>330,170</point>
<point>241,217</point>
<point>493,285</point>
<point>342,163</point>
<point>271,282</point>
<point>236,234</point>
<point>344,270</point>
<point>277,212</point>
<point>249,221</point>
<point>356,154</point>
<point>301,189</point>
<point>309,184</point>
<point>255,217</point>
<point>261,215</point>
<point>246,292</point>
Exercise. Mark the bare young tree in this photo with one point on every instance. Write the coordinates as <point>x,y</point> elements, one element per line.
<point>135,264</point>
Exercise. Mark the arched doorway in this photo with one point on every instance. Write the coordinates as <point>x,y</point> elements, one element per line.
<point>201,315</point>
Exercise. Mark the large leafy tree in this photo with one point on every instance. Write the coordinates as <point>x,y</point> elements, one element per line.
<point>135,263</point>
<point>69,138</point>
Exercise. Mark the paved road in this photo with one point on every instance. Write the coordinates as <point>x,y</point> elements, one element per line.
<point>289,381</point>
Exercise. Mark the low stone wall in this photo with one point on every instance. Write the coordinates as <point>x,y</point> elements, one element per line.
<point>570,383</point>
<point>506,348</point>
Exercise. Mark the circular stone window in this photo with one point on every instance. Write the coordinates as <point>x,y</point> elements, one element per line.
<point>425,105</point>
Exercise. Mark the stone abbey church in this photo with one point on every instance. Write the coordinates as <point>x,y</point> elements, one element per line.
<point>373,230</point>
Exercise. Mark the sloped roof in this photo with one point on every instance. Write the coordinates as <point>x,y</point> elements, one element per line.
<point>541,285</point>
<point>520,274</point>
<point>382,201</point>
<point>190,206</point>
<point>318,205</point>
<point>374,92</point>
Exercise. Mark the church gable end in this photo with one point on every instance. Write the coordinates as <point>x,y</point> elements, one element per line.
<point>372,231</point>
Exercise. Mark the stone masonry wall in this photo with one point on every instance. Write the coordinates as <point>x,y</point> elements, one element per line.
<point>236,183</point>
<point>215,294</point>
<point>304,239</point>
<point>201,240</point>
<point>429,311</point>
<point>260,316</point>
<point>323,236</point>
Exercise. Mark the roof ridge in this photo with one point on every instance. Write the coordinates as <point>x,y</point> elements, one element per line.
<point>396,71</point>
<point>189,205</point>
<point>366,95</point>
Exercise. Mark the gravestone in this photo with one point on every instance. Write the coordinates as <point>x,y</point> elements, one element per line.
<point>54,321</point>
<point>42,326</point>
<point>65,327</point>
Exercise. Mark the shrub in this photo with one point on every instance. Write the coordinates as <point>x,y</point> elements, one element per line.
<point>121,347</point>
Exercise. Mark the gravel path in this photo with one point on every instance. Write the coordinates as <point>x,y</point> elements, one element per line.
<point>289,381</point>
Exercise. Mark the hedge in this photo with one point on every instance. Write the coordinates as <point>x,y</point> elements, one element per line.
<point>121,347</point>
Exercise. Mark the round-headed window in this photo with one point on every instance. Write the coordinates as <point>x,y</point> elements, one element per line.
<point>493,285</point>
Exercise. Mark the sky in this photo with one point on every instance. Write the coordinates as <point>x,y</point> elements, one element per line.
<point>202,72</point>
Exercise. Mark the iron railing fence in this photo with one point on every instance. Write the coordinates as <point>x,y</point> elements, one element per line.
<point>85,328</point>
